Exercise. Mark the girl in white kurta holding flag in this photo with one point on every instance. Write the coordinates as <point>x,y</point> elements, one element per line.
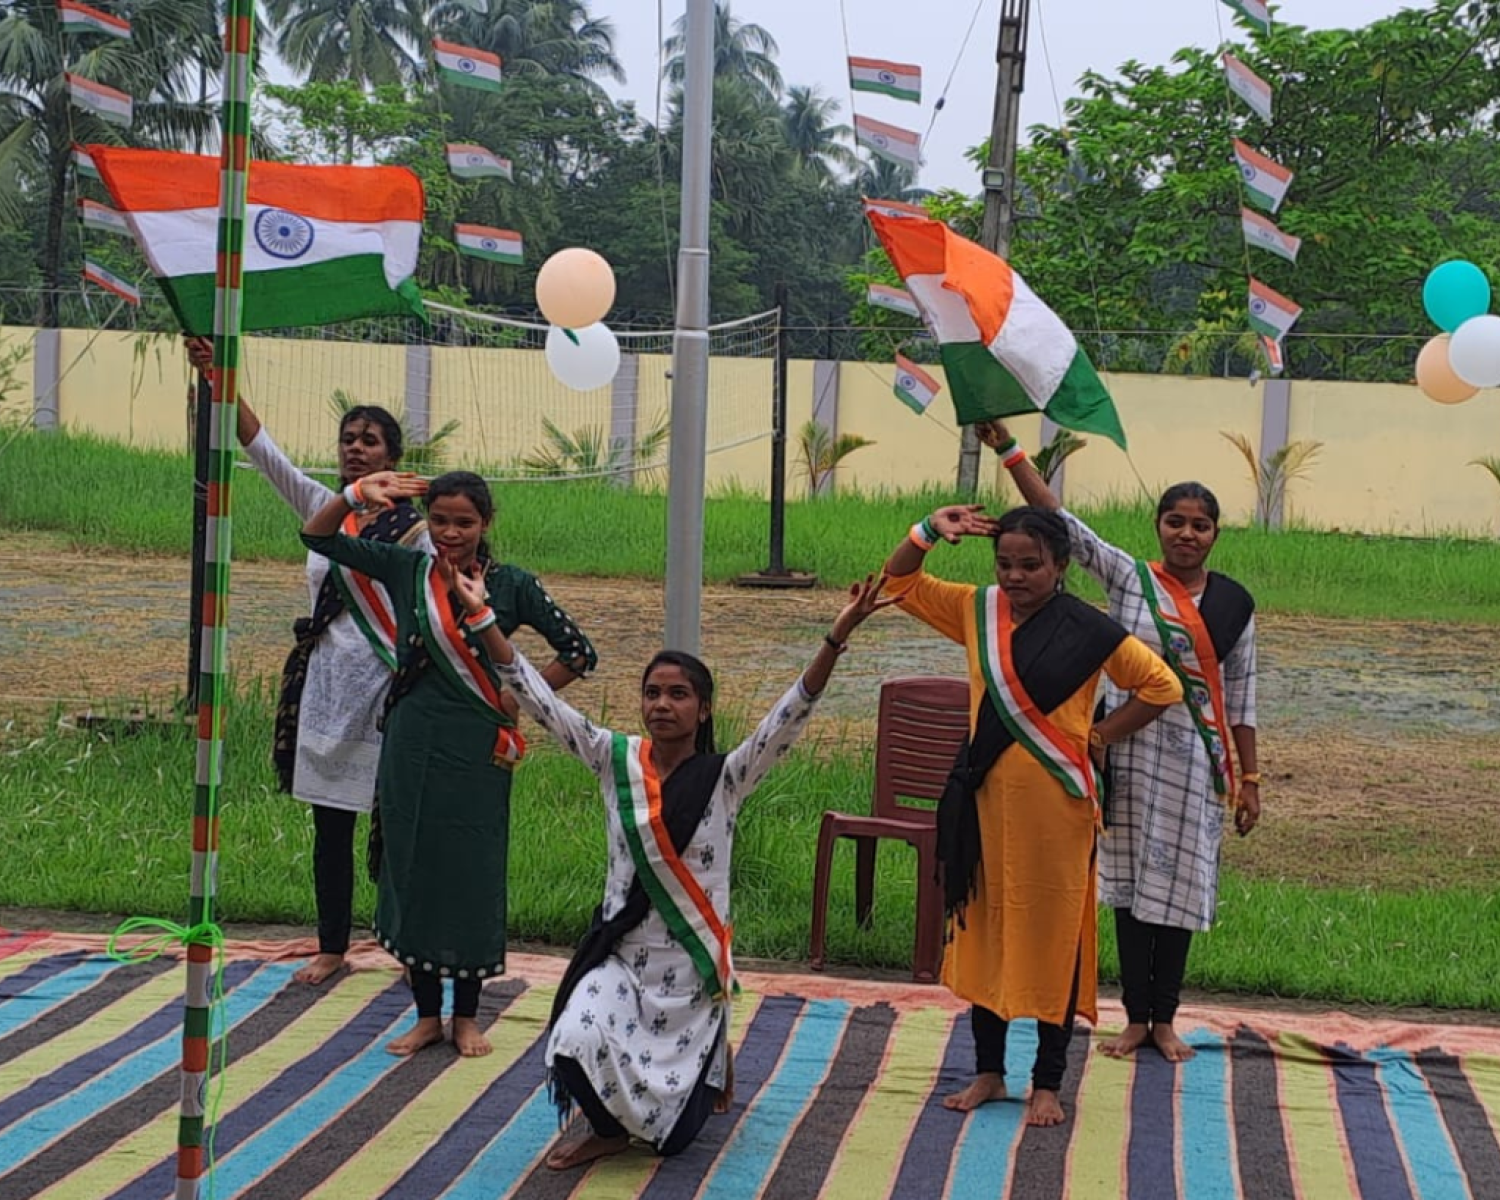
<point>639,1031</point>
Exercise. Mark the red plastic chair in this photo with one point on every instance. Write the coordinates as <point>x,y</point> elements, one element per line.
<point>923,721</point>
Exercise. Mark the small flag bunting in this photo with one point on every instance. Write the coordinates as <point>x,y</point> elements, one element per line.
<point>101,216</point>
<point>890,142</point>
<point>83,164</point>
<point>901,81</point>
<point>914,387</point>
<point>466,66</point>
<point>1272,315</point>
<point>1248,86</point>
<point>467,161</point>
<point>893,298</point>
<point>482,241</point>
<point>1263,233</point>
<point>106,103</point>
<point>894,208</point>
<point>80,18</point>
<point>1275,354</point>
<point>1254,11</point>
<point>111,282</point>
<point>1266,181</point>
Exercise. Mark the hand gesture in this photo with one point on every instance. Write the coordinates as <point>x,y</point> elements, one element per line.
<point>200,352</point>
<point>1247,808</point>
<point>993,434</point>
<point>963,520</point>
<point>864,599</point>
<point>467,585</point>
<point>384,488</point>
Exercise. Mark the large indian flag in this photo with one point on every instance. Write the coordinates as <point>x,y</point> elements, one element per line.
<point>1004,352</point>
<point>322,244</point>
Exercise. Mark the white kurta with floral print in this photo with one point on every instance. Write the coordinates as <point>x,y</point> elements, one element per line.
<point>641,1024</point>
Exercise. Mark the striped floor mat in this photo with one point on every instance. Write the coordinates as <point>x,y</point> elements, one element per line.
<point>838,1089</point>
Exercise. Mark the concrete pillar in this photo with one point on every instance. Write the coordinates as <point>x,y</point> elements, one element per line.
<point>1275,428</point>
<point>1049,431</point>
<point>418,397</point>
<point>46,378</point>
<point>825,407</point>
<point>624,405</point>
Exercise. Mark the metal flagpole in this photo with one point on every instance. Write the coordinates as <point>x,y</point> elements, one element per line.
<point>685,462</point>
<point>192,1131</point>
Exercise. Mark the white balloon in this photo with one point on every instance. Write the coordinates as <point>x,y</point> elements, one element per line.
<point>589,363</point>
<point>1474,351</point>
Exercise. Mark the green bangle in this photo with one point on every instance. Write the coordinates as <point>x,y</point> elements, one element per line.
<point>1005,448</point>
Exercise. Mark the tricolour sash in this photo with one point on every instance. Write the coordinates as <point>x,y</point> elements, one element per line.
<point>462,665</point>
<point>1067,762</point>
<point>1189,651</point>
<point>675,893</point>
<point>368,603</point>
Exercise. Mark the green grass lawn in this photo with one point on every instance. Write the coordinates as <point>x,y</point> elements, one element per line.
<point>105,827</point>
<point>106,496</point>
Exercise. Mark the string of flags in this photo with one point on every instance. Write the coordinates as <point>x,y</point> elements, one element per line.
<point>1264,183</point>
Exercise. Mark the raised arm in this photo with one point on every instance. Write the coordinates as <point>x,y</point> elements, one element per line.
<point>375,559</point>
<point>200,352</point>
<point>936,603</point>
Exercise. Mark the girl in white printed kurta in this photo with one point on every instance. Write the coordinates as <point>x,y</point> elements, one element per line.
<point>334,684</point>
<point>1169,784</point>
<point>639,1032</point>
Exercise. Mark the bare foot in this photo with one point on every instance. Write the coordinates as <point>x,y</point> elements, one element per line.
<point>582,1145</point>
<point>986,1087</point>
<point>1128,1042</point>
<point>1044,1109</point>
<point>1172,1047</point>
<point>428,1031</point>
<point>320,969</point>
<point>468,1040</point>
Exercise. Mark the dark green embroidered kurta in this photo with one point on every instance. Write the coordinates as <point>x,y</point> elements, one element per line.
<point>444,804</point>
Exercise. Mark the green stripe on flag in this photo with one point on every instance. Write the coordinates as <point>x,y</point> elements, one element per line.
<point>887,89</point>
<point>983,389</point>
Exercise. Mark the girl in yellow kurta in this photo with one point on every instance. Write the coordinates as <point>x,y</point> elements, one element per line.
<point>1017,841</point>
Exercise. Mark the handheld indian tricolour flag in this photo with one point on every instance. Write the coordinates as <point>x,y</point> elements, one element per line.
<point>466,66</point>
<point>1266,181</point>
<point>914,387</point>
<point>111,282</point>
<point>83,164</point>
<point>322,244</point>
<point>482,241</point>
<point>895,208</point>
<point>80,18</point>
<point>890,142</point>
<point>101,216</point>
<point>903,81</point>
<point>107,103</point>
<point>1254,11</point>
<point>882,295</point>
<point>1263,233</point>
<point>475,162</point>
<point>1005,353</point>
<point>1275,354</point>
<point>1272,315</point>
<point>1248,86</point>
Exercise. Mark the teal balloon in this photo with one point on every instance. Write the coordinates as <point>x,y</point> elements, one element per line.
<point>1454,292</point>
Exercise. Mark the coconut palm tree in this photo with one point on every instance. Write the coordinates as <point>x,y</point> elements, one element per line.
<point>885,180</point>
<point>817,141</point>
<point>742,51</point>
<point>368,41</point>
<point>546,37</point>
<point>158,67</point>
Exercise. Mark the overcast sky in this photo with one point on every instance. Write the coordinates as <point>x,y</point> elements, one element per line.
<point>1076,35</point>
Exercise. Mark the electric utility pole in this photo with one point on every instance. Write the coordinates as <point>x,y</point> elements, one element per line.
<point>999,175</point>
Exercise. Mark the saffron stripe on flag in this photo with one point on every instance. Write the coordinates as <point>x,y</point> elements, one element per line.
<point>1041,1170</point>
<point>759,1057</point>
<point>49,1021</point>
<point>1205,1142</point>
<point>928,1160</point>
<point>984,1159</point>
<point>1151,1156</point>
<point>1260,1140</point>
<point>1429,1155</point>
<point>1377,1160</point>
<point>1465,1118</point>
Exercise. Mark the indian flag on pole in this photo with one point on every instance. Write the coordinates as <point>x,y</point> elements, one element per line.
<point>1275,354</point>
<point>1248,86</point>
<point>322,244</point>
<point>466,66</point>
<point>106,103</point>
<point>1254,11</point>
<point>1271,314</point>
<point>483,241</point>
<point>890,142</point>
<point>1005,353</point>
<point>475,162</point>
<point>1266,181</point>
<point>83,164</point>
<point>80,18</point>
<point>110,282</point>
<point>903,81</point>
<point>882,295</point>
<point>895,208</point>
<point>914,387</point>
<point>101,216</point>
<point>1263,233</point>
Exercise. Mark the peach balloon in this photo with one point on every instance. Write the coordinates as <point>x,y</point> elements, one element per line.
<point>575,288</point>
<point>1436,378</point>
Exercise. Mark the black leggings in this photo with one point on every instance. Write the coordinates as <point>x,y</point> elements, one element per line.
<point>1153,959</point>
<point>427,991</point>
<point>333,876</point>
<point>700,1104</point>
<point>1052,1043</point>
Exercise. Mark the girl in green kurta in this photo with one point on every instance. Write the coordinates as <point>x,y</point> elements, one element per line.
<point>450,744</point>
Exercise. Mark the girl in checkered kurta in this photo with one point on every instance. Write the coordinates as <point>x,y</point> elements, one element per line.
<point>1159,865</point>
